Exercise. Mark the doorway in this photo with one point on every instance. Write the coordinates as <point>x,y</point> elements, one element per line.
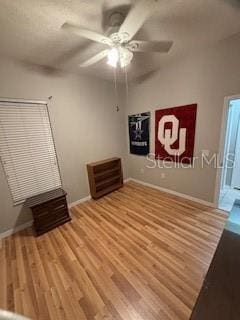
<point>230,177</point>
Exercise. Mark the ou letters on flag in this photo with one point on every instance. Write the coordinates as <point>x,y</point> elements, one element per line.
<point>175,133</point>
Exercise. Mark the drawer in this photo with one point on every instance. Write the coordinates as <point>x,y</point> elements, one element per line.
<point>48,218</point>
<point>57,202</point>
<point>40,210</point>
<point>40,229</point>
<point>49,207</point>
<point>61,205</point>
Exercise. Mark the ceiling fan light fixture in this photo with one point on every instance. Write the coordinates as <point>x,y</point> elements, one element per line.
<point>126,57</point>
<point>119,56</point>
<point>113,57</point>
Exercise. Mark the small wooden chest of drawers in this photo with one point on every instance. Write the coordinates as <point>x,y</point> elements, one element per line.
<point>49,210</point>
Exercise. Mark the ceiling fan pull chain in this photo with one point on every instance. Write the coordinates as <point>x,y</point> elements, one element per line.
<point>127,86</point>
<point>116,88</point>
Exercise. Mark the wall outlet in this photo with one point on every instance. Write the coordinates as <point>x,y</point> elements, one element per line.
<point>163,176</point>
<point>142,171</point>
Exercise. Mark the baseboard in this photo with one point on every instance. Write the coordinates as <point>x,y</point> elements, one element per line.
<point>16,229</point>
<point>75,203</point>
<point>175,193</point>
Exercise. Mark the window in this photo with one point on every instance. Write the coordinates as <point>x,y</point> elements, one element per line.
<point>27,149</point>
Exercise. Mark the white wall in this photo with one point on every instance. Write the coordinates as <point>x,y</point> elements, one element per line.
<point>204,78</point>
<point>85,124</point>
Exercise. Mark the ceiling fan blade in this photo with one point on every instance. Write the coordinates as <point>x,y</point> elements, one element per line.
<point>88,34</point>
<point>136,17</point>
<point>99,56</point>
<point>150,46</point>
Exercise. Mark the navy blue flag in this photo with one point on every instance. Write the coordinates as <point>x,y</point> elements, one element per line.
<point>139,133</point>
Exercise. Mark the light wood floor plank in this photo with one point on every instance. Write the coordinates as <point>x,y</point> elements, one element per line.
<point>136,254</point>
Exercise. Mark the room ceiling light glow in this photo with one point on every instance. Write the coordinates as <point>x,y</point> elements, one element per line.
<point>119,56</point>
<point>113,57</point>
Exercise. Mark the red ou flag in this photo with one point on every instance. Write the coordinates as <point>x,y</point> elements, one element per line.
<point>175,133</point>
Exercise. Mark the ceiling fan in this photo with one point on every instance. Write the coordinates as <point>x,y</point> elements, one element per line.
<point>121,45</point>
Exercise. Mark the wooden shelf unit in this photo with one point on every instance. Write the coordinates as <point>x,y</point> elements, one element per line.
<point>104,176</point>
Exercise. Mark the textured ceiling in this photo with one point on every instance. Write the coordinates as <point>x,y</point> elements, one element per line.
<point>30,31</point>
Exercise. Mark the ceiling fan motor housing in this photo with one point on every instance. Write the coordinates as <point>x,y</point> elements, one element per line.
<point>116,19</point>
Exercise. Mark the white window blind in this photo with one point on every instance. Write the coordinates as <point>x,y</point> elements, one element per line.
<point>27,150</point>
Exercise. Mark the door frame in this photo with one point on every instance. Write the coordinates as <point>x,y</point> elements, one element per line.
<point>236,158</point>
<point>222,143</point>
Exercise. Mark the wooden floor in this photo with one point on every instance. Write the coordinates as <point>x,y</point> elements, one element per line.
<point>136,254</point>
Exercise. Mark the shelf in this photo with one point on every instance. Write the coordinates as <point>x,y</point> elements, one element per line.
<point>104,177</point>
<point>108,190</point>
<point>106,172</point>
<point>102,182</point>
